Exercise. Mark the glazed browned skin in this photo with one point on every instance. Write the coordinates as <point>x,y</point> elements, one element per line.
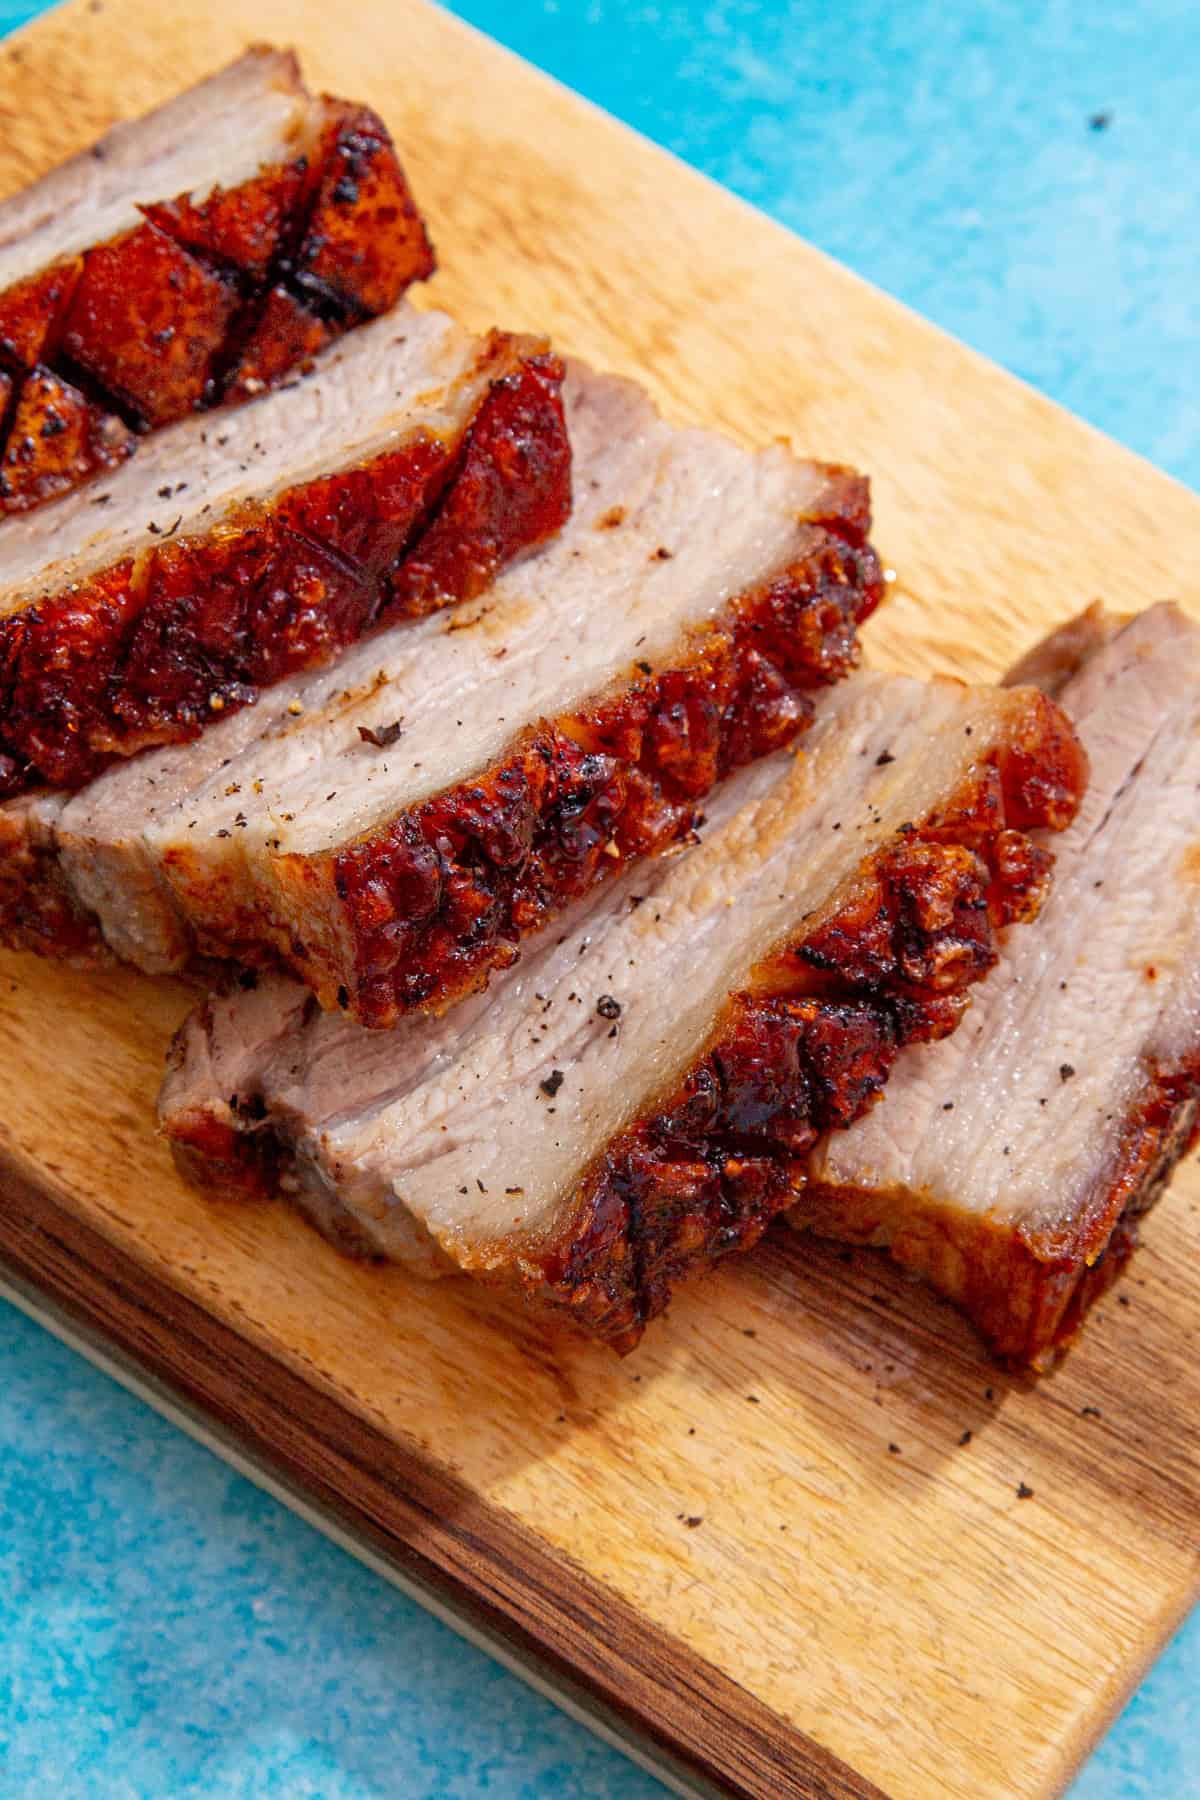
<point>442,895</point>
<point>202,305</point>
<point>807,1047</point>
<point>803,1049</point>
<point>1027,1282</point>
<point>1029,1291</point>
<point>151,649</point>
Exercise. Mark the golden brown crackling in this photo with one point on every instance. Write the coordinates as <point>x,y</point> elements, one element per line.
<point>808,1045</point>
<point>1029,1290</point>
<point>430,904</point>
<point>152,648</point>
<point>204,303</point>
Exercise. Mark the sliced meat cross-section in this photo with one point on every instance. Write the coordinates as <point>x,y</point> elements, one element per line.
<point>402,475</point>
<point>1010,1165</point>
<point>393,828</point>
<point>190,259</point>
<point>641,1094</point>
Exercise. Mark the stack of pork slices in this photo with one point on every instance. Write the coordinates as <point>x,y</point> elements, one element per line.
<point>577,906</point>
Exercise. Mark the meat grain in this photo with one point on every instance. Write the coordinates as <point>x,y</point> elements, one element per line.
<point>394,827</point>
<point>402,475</point>
<point>1010,1165</point>
<point>640,1095</point>
<point>190,259</point>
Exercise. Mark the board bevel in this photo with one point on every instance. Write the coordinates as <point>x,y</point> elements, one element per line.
<point>845,1615</point>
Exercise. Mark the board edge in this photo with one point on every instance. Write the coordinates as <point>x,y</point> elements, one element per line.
<point>545,1619</point>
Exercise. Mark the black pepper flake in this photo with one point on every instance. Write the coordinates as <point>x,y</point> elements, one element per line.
<point>749,1331</point>
<point>1065,1071</point>
<point>1124,1300</point>
<point>692,1520</point>
<point>947,1106</point>
<point>552,1083</point>
<point>607,1007</point>
<point>989,1393</point>
<point>965,1439</point>
<point>343,997</point>
<point>222,833</point>
<point>883,759</point>
<point>895,1450</point>
<point>386,734</point>
<point>1091,1412</point>
<point>517,1190</point>
<point>480,1185</point>
<point>1024,1491</point>
<point>645,668</point>
<point>753,1399</point>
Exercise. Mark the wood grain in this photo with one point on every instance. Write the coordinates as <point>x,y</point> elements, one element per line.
<point>845,1613</point>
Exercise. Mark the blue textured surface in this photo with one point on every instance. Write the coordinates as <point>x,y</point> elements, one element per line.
<point>166,1629</point>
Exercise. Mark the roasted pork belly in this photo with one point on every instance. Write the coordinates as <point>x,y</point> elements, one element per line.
<point>189,259</point>
<point>1010,1164</point>
<point>641,1093</point>
<point>393,827</point>
<point>402,475</point>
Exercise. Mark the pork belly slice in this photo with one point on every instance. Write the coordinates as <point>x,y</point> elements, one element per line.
<point>413,465</point>
<point>189,259</point>
<point>639,1095</point>
<point>1010,1165</point>
<point>392,828</point>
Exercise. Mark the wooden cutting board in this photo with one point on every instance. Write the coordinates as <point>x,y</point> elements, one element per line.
<point>779,1551</point>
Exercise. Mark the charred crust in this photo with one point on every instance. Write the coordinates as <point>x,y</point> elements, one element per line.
<point>205,303</point>
<point>1028,1292</point>
<point>214,1150</point>
<point>805,1048</point>
<point>1062,1277</point>
<point>151,650</point>
<point>511,488</point>
<point>442,896</point>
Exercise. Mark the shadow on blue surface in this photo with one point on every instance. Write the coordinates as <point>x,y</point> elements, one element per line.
<point>167,1629</point>
<point>164,1627</point>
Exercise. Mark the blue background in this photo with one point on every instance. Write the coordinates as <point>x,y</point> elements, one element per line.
<point>165,1629</point>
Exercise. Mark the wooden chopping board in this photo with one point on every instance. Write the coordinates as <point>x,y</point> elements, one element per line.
<point>713,1549</point>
